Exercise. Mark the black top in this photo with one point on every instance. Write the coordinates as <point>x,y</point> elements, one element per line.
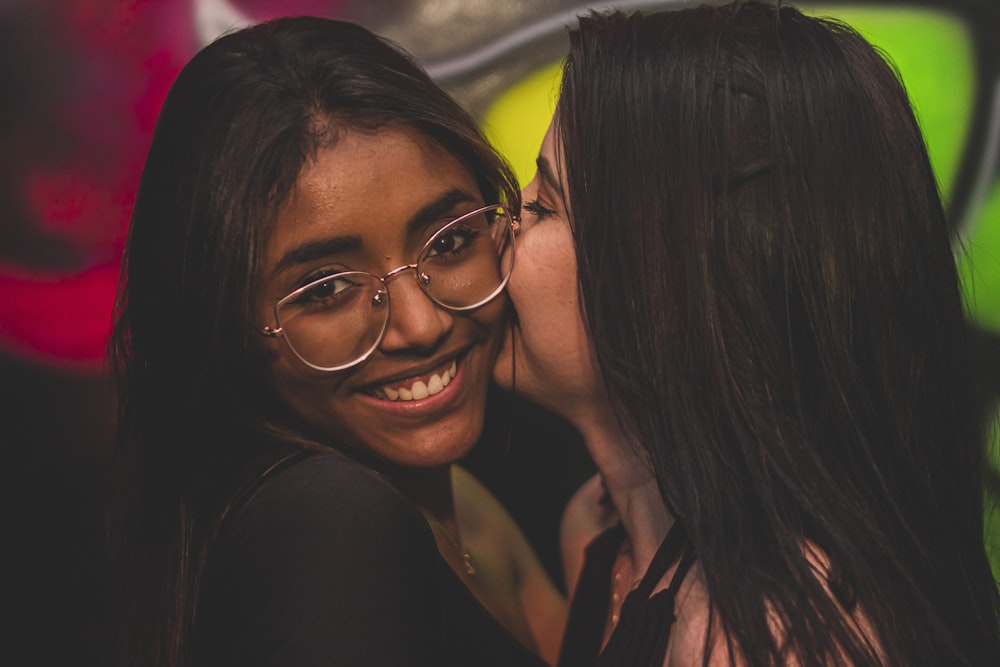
<point>640,638</point>
<point>326,563</point>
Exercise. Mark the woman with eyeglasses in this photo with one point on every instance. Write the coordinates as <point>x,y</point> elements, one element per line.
<point>311,303</point>
<point>735,278</point>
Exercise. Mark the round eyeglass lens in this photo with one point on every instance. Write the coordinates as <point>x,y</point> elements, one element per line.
<point>335,321</point>
<point>468,261</point>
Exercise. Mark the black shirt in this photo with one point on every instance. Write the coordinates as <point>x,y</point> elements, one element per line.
<point>640,637</point>
<point>326,563</point>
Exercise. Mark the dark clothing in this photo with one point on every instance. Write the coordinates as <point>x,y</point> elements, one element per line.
<point>326,563</point>
<point>640,638</point>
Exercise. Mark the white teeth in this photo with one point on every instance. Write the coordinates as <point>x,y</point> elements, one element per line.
<point>434,385</point>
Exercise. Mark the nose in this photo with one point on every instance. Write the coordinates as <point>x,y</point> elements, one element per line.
<point>416,323</point>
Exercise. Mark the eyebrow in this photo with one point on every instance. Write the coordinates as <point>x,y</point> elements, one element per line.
<point>316,250</point>
<point>439,208</point>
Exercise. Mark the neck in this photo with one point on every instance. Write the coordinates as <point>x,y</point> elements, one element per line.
<point>430,489</point>
<point>631,485</point>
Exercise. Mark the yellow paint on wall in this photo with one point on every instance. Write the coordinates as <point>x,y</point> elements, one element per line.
<point>517,120</point>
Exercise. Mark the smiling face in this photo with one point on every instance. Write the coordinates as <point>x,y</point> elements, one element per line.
<point>555,363</point>
<point>369,203</point>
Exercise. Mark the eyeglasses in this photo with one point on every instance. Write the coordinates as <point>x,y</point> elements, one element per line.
<point>338,320</point>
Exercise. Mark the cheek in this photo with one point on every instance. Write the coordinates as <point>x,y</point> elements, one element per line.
<point>543,287</point>
<point>306,394</point>
<point>553,355</point>
<point>493,317</point>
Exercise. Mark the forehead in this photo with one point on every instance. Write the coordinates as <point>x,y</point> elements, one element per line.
<point>551,153</point>
<point>367,185</point>
<point>552,141</point>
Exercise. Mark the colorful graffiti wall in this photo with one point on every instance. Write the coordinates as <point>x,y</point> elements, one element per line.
<point>81,82</point>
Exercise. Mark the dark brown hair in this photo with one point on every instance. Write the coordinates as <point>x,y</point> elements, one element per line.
<point>768,278</point>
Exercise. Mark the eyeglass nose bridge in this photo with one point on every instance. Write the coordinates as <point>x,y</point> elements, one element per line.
<point>422,279</point>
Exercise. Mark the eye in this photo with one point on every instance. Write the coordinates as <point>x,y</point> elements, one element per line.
<point>535,208</point>
<point>325,290</point>
<point>453,241</point>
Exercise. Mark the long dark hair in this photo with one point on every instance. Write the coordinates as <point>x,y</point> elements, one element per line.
<point>238,125</point>
<point>768,277</point>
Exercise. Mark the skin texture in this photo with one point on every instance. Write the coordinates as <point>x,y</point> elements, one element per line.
<point>548,358</point>
<point>369,186</point>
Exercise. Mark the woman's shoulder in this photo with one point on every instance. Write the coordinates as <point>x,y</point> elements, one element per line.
<point>487,522</point>
<point>692,625</point>
<point>518,576</point>
<point>697,627</point>
<point>323,562</point>
<point>309,466</point>
<point>312,490</point>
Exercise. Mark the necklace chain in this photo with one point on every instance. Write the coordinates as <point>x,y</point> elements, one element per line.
<point>617,594</point>
<point>470,568</point>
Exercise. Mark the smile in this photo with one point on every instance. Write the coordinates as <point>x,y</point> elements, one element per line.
<point>415,389</point>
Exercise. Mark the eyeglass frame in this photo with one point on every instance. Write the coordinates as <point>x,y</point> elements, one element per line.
<point>513,227</point>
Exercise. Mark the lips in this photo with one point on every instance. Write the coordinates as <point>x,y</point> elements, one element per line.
<point>419,387</point>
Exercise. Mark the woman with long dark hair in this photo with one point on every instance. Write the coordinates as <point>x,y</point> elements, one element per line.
<point>310,307</point>
<point>736,279</point>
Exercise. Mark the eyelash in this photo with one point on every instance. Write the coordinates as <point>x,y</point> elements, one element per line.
<point>322,273</point>
<point>535,208</point>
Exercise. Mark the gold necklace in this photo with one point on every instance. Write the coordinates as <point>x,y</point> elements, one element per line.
<point>470,569</point>
<point>618,591</point>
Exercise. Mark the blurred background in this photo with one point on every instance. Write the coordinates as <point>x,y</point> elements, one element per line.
<point>81,83</point>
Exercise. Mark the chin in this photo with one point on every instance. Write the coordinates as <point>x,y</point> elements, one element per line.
<point>433,443</point>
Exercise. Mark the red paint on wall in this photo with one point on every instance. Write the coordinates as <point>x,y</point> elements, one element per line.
<point>89,77</point>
